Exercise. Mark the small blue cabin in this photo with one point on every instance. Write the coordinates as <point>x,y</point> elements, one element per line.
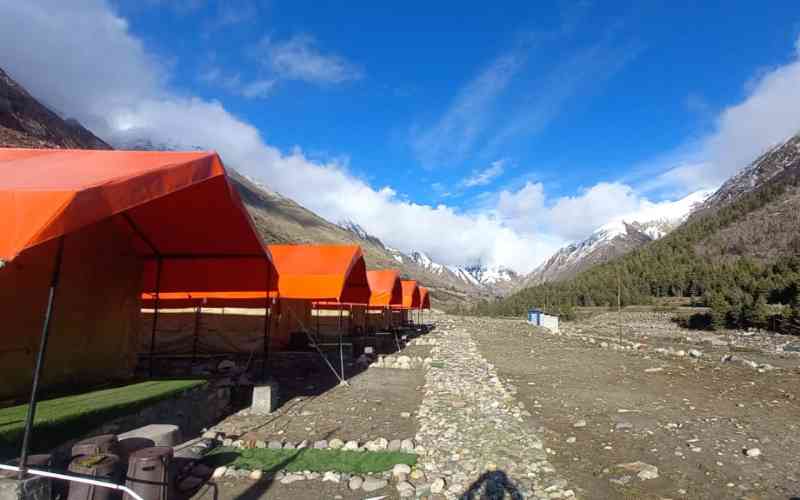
<point>534,316</point>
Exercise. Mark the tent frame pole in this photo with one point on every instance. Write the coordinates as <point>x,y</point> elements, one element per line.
<point>159,262</point>
<point>37,372</point>
<point>341,348</point>
<point>267,325</point>
<point>197,313</point>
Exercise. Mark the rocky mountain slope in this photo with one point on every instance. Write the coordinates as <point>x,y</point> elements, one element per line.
<point>25,122</point>
<point>613,240</point>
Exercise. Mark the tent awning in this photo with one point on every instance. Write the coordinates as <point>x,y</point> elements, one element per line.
<point>179,205</point>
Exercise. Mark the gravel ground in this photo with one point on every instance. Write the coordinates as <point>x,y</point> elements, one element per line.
<point>369,407</point>
<point>691,418</point>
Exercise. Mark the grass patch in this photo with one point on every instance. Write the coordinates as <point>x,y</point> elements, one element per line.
<point>61,419</point>
<point>310,459</point>
<point>437,364</point>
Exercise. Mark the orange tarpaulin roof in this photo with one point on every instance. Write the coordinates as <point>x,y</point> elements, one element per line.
<point>410,294</point>
<point>179,205</point>
<point>424,298</point>
<point>321,272</point>
<point>385,288</point>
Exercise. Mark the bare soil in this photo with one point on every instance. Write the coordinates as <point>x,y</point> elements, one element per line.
<point>692,418</point>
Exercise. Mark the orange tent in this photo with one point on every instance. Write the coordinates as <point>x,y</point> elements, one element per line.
<point>385,288</point>
<point>97,227</point>
<point>425,299</point>
<point>411,296</point>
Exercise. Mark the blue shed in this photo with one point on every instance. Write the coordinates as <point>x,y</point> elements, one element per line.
<point>534,316</point>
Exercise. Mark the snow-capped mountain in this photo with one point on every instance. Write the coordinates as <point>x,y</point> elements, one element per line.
<point>491,280</point>
<point>616,238</point>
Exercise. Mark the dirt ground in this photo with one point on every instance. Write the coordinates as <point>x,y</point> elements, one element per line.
<point>376,403</point>
<point>691,418</point>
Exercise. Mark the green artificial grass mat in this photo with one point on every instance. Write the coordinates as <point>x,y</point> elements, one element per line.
<point>308,459</point>
<point>61,419</point>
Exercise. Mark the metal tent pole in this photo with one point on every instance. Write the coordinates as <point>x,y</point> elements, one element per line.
<point>267,324</point>
<point>341,349</point>
<point>155,315</point>
<point>197,313</point>
<point>37,372</point>
<point>267,331</point>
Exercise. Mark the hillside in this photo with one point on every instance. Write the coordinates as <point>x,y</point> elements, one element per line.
<point>25,122</point>
<point>737,254</point>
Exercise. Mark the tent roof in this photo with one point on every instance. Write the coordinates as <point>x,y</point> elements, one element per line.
<point>179,205</point>
<point>385,288</point>
<point>410,294</point>
<point>424,298</point>
<point>321,272</point>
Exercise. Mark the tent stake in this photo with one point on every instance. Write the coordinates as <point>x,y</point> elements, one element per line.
<point>48,314</point>
<point>155,315</point>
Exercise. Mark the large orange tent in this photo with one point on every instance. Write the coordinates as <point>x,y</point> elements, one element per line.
<point>95,228</point>
<point>411,300</point>
<point>386,292</point>
<point>424,302</point>
<point>425,298</point>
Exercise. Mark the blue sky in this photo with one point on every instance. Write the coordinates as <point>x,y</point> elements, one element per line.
<point>517,127</point>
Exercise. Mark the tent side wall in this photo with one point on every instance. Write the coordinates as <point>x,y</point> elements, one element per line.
<point>95,319</point>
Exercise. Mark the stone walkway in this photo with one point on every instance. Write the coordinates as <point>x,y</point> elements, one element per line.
<point>473,433</point>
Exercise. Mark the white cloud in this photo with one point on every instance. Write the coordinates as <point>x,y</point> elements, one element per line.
<point>767,116</point>
<point>454,134</point>
<point>232,83</point>
<point>483,177</point>
<point>258,88</point>
<point>298,58</point>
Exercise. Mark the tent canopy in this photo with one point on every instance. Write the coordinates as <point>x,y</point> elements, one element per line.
<point>321,272</point>
<point>411,298</point>
<point>424,298</point>
<point>160,197</point>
